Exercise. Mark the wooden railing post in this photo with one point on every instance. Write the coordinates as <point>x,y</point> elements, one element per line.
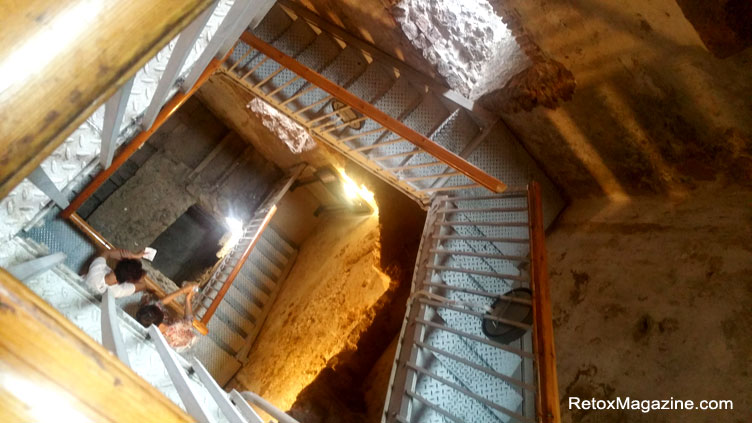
<point>543,329</point>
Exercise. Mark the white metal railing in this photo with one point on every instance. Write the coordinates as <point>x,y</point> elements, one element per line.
<point>173,85</point>
<point>267,407</point>
<point>474,331</point>
<point>232,406</point>
<point>403,157</point>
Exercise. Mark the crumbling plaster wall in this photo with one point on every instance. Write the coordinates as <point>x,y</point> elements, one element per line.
<point>227,100</point>
<point>461,40</point>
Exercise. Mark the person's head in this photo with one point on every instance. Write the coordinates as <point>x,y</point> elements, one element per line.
<point>129,270</point>
<point>150,315</point>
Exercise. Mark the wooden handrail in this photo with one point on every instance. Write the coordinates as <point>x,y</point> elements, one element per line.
<point>203,324</point>
<point>101,243</point>
<point>388,122</point>
<point>60,60</point>
<point>547,399</point>
<point>45,358</point>
<point>175,102</point>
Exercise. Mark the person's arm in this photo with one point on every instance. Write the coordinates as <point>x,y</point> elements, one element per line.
<point>120,254</point>
<point>189,300</point>
<point>142,286</point>
<point>184,290</point>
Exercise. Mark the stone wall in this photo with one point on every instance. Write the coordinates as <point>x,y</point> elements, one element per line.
<point>653,300</point>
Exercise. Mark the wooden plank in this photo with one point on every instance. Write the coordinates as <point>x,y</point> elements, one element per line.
<point>60,60</point>
<point>547,400</point>
<point>167,111</point>
<point>377,115</point>
<point>52,371</point>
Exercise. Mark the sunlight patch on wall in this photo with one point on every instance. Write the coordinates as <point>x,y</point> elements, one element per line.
<point>355,192</point>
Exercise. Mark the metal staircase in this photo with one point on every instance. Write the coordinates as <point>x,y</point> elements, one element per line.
<point>378,112</point>
<point>479,244</point>
<point>185,382</point>
<point>244,306</point>
<point>236,299</point>
<point>463,355</point>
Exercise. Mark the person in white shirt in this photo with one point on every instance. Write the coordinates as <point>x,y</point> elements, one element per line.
<point>126,279</point>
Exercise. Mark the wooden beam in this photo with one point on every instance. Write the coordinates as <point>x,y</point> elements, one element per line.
<point>53,371</point>
<point>420,141</point>
<point>543,328</point>
<point>60,60</point>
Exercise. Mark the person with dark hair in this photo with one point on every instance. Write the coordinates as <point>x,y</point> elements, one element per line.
<point>178,333</point>
<point>125,280</point>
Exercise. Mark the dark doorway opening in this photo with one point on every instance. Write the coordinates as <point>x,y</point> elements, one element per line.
<point>189,246</point>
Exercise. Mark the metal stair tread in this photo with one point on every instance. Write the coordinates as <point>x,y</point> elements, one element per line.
<point>371,83</point>
<point>251,291</point>
<point>263,270</point>
<point>63,289</point>
<point>346,67</point>
<point>242,318</point>
<point>275,23</point>
<point>224,336</point>
<point>452,401</point>
<point>279,242</point>
<point>296,38</point>
<point>229,318</point>
<point>319,54</point>
<point>277,258</point>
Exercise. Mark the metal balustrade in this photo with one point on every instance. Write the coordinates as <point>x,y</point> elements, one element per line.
<point>406,158</point>
<point>232,407</point>
<point>229,266</point>
<point>466,354</point>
